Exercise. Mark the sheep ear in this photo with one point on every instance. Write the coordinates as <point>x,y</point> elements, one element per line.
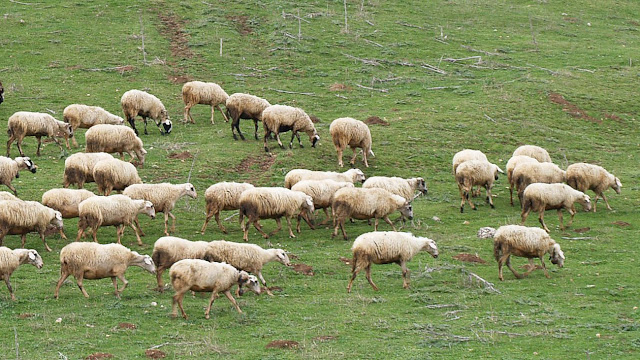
<point>618,183</point>
<point>499,170</point>
<point>147,260</point>
<point>31,256</point>
<point>58,215</point>
<point>309,201</point>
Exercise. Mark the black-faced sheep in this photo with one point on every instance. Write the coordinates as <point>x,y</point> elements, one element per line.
<point>353,133</point>
<point>84,116</point>
<point>539,197</point>
<point>295,175</point>
<point>10,169</point>
<point>583,177</point>
<point>22,217</point>
<point>511,165</point>
<point>136,102</point>
<point>533,151</point>
<point>66,201</point>
<point>476,172</point>
<point>115,139</point>
<point>222,196</point>
<point>206,93</point>
<point>78,168</point>
<point>245,106</point>
<point>541,172</point>
<point>321,191</point>
<point>114,174</point>
<point>283,118</point>
<point>25,123</point>
<point>168,250</point>
<point>11,259</point>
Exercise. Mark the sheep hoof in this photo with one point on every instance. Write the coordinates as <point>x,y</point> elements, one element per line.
<point>492,206</point>
<point>461,210</point>
<point>474,208</point>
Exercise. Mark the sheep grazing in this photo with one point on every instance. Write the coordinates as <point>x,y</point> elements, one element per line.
<point>222,196</point>
<point>115,139</point>
<point>83,116</point>
<point>98,261</point>
<point>364,204</point>
<point>245,106</point>
<point>476,172</point>
<point>295,175</point>
<point>10,169</point>
<point>404,187</point>
<point>528,242</point>
<point>353,133</point>
<point>282,118</point>
<point>273,203</point>
<point>321,192</point>
<point>65,201</point>
<point>203,276</point>
<point>583,177</point>
<point>511,165</point>
<point>163,196</point>
<point>539,197</point>
<point>386,247</point>
<point>533,151</point>
<point>168,250</point>
<point>25,123</point>
<point>22,217</point>
<point>114,174</point>
<point>541,172</point>
<point>116,210</point>
<point>11,259</point>
<point>206,93</point>
<point>78,168</point>
<point>136,102</point>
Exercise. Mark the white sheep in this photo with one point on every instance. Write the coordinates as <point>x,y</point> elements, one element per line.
<point>115,139</point>
<point>5,195</point>
<point>536,172</point>
<point>206,93</point>
<point>78,168</point>
<point>539,197</point>
<point>511,165</point>
<point>84,116</point>
<point>528,242</point>
<point>65,201</point>
<point>281,118</point>
<point>163,196</point>
<point>168,250</point>
<point>364,204</point>
<point>203,276</point>
<point>11,259</point>
<point>295,175</point>
<point>386,247</point>
<point>136,102</point>
<point>533,151</point>
<point>353,133</point>
<point>321,192</point>
<point>10,169</point>
<point>396,185</point>
<point>114,174</point>
<point>98,261</point>
<point>583,177</point>
<point>245,106</point>
<point>476,172</point>
<point>222,196</point>
<point>22,217</point>
<point>273,203</point>
<point>25,123</point>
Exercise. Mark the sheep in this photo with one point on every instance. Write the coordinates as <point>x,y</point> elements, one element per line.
<point>163,196</point>
<point>168,250</point>
<point>353,133</point>
<point>25,123</point>
<point>295,175</point>
<point>466,155</point>
<point>386,247</point>
<point>528,242</point>
<point>273,203</point>
<point>98,261</point>
<point>206,93</point>
<point>83,116</point>
<point>117,210</point>
<point>65,201</point>
<point>22,217</point>
<point>5,195</point>
<point>542,172</point>
<point>11,259</point>
<point>136,102</point>
<point>10,169</point>
<point>200,275</point>
<point>321,192</point>
<point>282,118</point>
<point>533,151</point>
<point>115,139</point>
<point>511,165</point>
<point>399,186</point>
<point>222,196</point>
<point>583,177</point>
<point>476,172</point>
<point>78,168</point>
<point>364,204</point>
<point>539,197</point>
<point>114,174</point>
<point>248,257</point>
<point>245,106</point>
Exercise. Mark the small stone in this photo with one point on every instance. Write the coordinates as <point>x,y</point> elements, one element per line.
<point>598,335</point>
<point>153,303</point>
<point>435,218</point>
<point>58,320</point>
<point>466,222</point>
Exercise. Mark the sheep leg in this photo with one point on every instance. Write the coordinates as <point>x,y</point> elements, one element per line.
<point>166,223</point>
<point>124,284</point>
<point>173,221</point>
<point>368,274</point>
<point>12,188</point>
<point>353,158</point>
<point>278,228</point>
<point>118,234</point>
<point>94,233</point>
<point>258,227</point>
<point>364,158</point>
<point>560,219</point>
<point>405,275</point>
<point>544,267</point>
<point>80,232</point>
<point>279,141</point>
<point>144,118</point>
<point>299,142</point>
<point>266,135</point>
<point>572,211</point>
<point>226,119</point>
<point>344,232</point>
<point>62,235</point>
<point>326,219</point>
<point>75,142</point>
<point>23,238</point>
<point>541,219</point>
<point>386,218</point>
<point>63,277</point>
<point>138,226</point>
<point>508,262</point>
<point>339,150</point>
<point>43,241</point>
<point>375,224</point>
<point>307,219</point>
<point>293,134</point>
<point>79,278</point>
<point>159,272</point>
<point>187,109</point>
<point>134,230</point>
<point>605,201</point>
<point>353,277</point>
<point>222,228</point>
<point>264,283</point>
<point>214,295</point>
<point>489,196</point>
<point>500,263</point>
<point>39,145</point>
<point>206,221</point>
<point>291,235</point>
<point>177,299</point>
<point>524,215</point>
<point>115,285</point>
<point>12,138</point>
<point>233,301</point>
<point>6,280</point>
<point>132,122</point>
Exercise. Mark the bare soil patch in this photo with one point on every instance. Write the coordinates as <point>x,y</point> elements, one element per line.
<point>155,354</point>
<point>240,21</point>
<point>179,78</point>
<point>469,258</point>
<point>339,87</point>
<point>129,326</point>
<point>264,163</point>
<point>621,223</point>
<point>582,230</point>
<point>324,338</point>
<point>171,28</point>
<point>612,117</point>
<point>303,269</point>
<point>180,156</point>
<point>282,344</point>
<point>98,356</point>
<point>26,315</point>
<point>571,109</point>
<point>374,120</point>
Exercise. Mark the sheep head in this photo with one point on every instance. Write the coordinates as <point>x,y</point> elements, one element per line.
<point>356,174</point>
<point>190,190</point>
<point>616,185</point>
<point>556,255</point>
<point>313,137</point>
<point>282,257</point>
<point>308,206</point>
<point>64,130</point>
<point>250,281</point>
<point>57,220</point>
<point>422,185</point>
<point>143,261</point>
<point>34,259</point>
<point>496,171</point>
<point>25,163</point>
<point>585,200</point>
<point>430,247</point>
<point>148,209</point>
<point>406,210</point>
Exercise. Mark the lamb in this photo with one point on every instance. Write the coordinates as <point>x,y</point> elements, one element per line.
<point>115,139</point>
<point>136,102</point>
<point>163,196</point>
<point>476,172</point>
<point>273,203</point>
<point>78,168</point>
<point>23,217</point>
<point>466,155</point>
<point>206,93</point>
<point>281,118</point>
<point>11,259</point>
<point>200,275</point>
<point>363,204</point>
<point>168,250</point>
<point>539,197</point>
<point>511,165</point>
<point>245,106</point>
<point>98,261</point>
<point>10,168</point>
<point>528,242</point>
<point>353,133</point>
<point>114,174</point>
<point>542,172</point>
<point>295,175</point>
<point>387,247</point>
<point>117,210</point>
<point>583,177</point>
<point>533,151</point>
<point>321,192</point>
<point>65,201</point>
<point>222,196</point>
<point>83,116</point>
<point>399,186</point>
<point>25,123</point>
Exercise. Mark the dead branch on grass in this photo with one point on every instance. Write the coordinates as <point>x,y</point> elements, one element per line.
<point>433,68</point>
<point>292,92</point>
<point>370,88</point>
<point>364,61</point>
<point>472,277</point>
<point>478,58</point>
<point>409,25</point>
<point>23,3</point>
<point>480,51</point>
<point>372,42</point>
<point>286,15</point>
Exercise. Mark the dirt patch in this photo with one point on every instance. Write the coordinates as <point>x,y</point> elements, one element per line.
<point>612,117</point>
<point>26,315</point>
<point>469,258</point>
<point>345,260</point>
<point>171,28</point>
<point>582,230</point>
<point>374,120</point>
<point>272,288</point>
<point>324,338</point>
<point>303,269</point>
<point>180,156</point>
<point>129,326</point>
<point>98,356</point>
<point>155,354</point>
<point>339,87</point>
<point>569,19</point>
<point>240,21</point>
<point>179,79</point>
<point>621,223</point>
<point>263,162</point>
<point>570,108</point>
<point>282,344</point>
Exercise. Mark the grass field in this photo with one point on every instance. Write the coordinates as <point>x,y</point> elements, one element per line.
<point>444,75</point>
